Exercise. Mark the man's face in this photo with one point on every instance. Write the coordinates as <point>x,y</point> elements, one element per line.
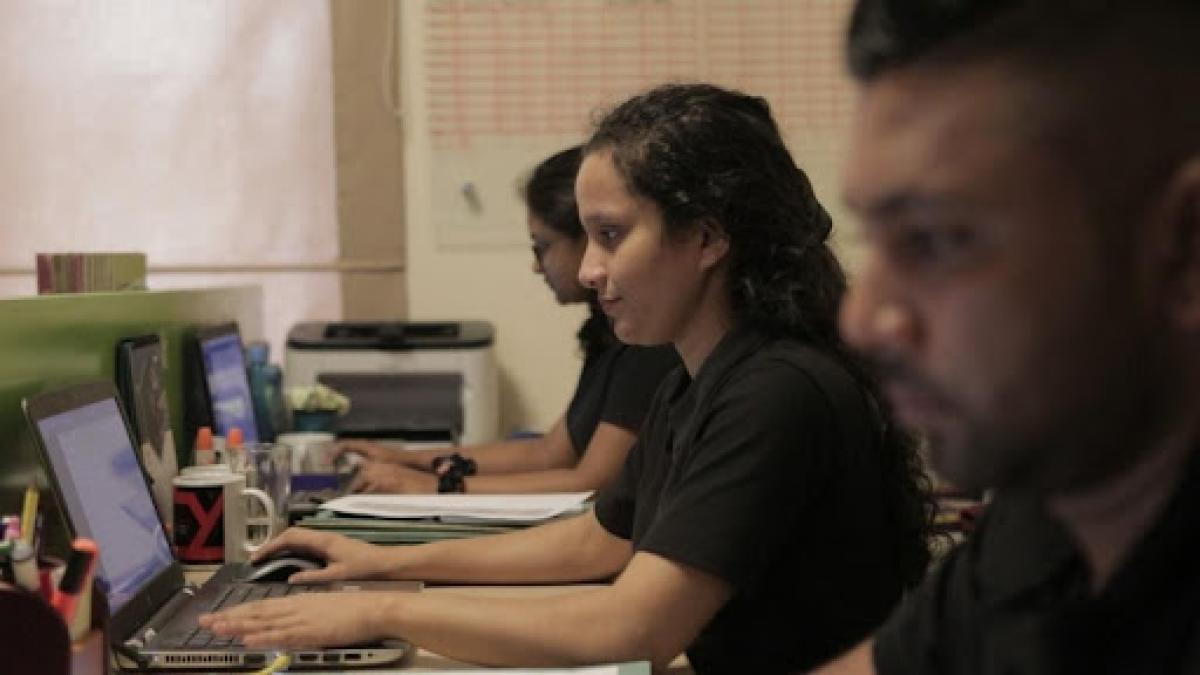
<point>1006,328</point>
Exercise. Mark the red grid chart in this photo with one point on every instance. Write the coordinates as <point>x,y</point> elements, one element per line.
<point>538,68</point>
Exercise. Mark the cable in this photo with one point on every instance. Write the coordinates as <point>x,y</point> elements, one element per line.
<point>282,661</point>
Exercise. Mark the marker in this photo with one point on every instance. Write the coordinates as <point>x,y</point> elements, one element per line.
<point>29,514</point>
<point>76,581</point>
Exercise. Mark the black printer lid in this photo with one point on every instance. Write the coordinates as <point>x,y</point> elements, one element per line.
<point>391,335</point>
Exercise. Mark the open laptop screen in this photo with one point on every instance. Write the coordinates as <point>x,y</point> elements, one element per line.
<point>107,497</point>
<point>228,387</point>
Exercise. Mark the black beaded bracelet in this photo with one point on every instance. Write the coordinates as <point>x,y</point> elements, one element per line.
<point>451,481</point>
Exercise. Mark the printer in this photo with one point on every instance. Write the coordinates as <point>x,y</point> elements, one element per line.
<point>415,382</point>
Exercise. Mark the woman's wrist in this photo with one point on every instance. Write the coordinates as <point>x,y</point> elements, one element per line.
<point>388,615</point>
<point>397,563</point>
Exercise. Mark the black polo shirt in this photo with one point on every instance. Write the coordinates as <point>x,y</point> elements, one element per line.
<point>1015,599</point>
<point>747,473</point>
<point>616,386</point>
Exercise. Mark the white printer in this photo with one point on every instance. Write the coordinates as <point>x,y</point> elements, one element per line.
<point>410,381</point>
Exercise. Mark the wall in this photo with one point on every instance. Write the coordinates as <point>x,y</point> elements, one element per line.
<point>370,176</point>
<point>492,86</point>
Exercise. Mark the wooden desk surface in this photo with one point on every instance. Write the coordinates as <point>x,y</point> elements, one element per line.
<point>426,660</point>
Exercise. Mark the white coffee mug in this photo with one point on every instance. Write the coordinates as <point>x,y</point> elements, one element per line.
<point>210,517</point>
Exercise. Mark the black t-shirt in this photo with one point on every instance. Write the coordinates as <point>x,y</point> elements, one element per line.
<point>615,386</point>
<point>749,474</point>
<point>1015,599</point>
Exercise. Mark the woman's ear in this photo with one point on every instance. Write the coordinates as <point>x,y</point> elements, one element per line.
<point>714,243</point>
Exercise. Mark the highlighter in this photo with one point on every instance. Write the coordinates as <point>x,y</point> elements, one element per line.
<point>76,580</point>
<point>29,513</point>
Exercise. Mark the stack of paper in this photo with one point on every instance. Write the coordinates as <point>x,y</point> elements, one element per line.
<point>462,508</point>
<point>396,531</point>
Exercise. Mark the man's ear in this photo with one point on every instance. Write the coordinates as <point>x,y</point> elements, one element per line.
<point>1182,209</point>
<point>714,243</point>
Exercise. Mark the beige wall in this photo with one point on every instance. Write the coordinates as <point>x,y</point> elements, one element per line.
<point>370,201</point>
<point>535,347</point>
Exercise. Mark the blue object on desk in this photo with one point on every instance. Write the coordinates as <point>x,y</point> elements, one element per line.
<point>315,481</point>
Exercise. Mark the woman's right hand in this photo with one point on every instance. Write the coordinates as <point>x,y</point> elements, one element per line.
<point>377,452</point>
<point>345,558</point>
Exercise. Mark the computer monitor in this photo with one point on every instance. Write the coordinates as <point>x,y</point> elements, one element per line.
<point>225,378</point>
<point>104,490</point>
<point>141,378</point>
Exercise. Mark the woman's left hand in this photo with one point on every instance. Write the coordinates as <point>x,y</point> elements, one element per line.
<point>305,620</point>
<point>389,477</point>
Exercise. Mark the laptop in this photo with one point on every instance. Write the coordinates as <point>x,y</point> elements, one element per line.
<point>100,485</point>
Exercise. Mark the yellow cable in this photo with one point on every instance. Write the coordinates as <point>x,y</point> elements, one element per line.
<point>282,661</point>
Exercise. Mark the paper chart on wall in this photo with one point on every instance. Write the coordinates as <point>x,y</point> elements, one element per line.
<point>501,85</point>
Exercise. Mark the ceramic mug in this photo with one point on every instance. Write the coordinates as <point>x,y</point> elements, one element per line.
<point>211,523</point>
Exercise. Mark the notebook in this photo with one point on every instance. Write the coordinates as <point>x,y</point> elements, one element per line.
<point>85,443</point>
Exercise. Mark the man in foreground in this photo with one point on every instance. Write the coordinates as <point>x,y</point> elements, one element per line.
<point>1028,177</point>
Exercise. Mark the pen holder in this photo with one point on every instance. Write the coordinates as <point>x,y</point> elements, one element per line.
<point>26,619</point>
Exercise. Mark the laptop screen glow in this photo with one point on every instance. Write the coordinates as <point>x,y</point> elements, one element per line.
<point>225,370</point>
<point>107,497</point>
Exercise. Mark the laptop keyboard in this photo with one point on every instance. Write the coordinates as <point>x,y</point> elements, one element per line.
<point>236,595</point>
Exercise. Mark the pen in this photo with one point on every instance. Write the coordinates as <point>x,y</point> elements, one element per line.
<point>29,514</point>
<point>77,574</point>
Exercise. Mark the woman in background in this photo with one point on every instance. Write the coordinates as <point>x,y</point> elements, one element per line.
<point>769,516</point>
<point>586,447</point>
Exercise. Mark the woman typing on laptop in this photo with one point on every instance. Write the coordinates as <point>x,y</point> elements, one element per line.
<point>585,449</point>
<point>767,497</point>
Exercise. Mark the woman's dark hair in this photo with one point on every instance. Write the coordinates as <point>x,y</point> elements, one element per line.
<point>549,194</point>
<point>706,154</point>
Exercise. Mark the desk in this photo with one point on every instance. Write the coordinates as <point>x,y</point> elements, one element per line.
<point>426,660</point>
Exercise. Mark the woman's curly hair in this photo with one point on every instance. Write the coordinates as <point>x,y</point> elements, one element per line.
<point>706,154</point>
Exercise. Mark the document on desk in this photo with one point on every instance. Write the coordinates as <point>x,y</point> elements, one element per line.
<point>463,507</point>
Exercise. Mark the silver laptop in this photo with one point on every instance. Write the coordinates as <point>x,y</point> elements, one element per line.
<point>88,451</point>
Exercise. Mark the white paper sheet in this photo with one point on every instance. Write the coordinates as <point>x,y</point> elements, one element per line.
<point>460,507</point>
